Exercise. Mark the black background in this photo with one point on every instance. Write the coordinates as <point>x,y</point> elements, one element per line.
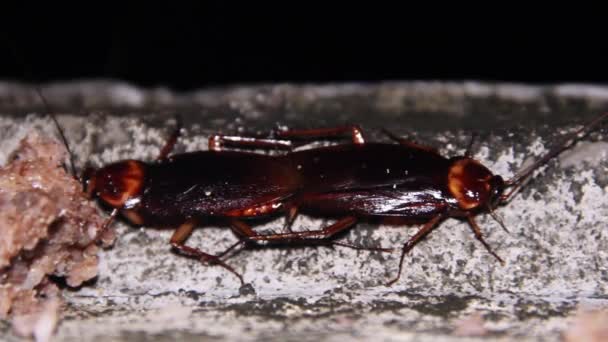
<point>185,46</point>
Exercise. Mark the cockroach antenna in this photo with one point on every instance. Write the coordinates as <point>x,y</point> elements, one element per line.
<point>518,180</point>
<point>49,112</point>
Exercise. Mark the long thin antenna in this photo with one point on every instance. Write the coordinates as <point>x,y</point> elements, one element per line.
<point>570,140</point>
<point>59,129</point>
<point>497,219</point>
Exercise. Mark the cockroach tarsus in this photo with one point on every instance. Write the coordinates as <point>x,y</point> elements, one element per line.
<point>348,181</point>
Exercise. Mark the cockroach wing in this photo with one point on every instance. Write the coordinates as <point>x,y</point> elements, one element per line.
<point>370,166</point>
<point>213,184</point>
<point>373,179</point>
<point>404,200</point>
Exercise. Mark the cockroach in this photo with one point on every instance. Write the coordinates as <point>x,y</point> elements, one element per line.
<point>350,181</point>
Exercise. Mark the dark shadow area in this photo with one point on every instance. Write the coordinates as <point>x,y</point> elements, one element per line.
<point>195,46</point>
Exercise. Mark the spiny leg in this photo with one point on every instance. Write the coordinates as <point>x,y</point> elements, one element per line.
<point>170,143</point>
<point>242,229</point>
<point>105,226</point>
<point>317,133</point>
<point>315,237</point>
<point>357,247</point>
<point>427,228</point>
<point>233,246</point>
<point>178,242</point>
<point>292,213</point>
<point>218,142</point>
<point>342,224</point>
<point>408,143</point>
<point>479,237</point>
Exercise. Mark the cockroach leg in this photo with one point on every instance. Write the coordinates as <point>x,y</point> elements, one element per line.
<point>233,246</point>
<point>170,143</point>
<point>105,226</point>
<point>325,233</point>
<point>178,239</point>
<point>360,248</point>
<point>408,143</point>
<point>479,236</point>
<point>218,142</point>
<point>354,130</point>
<point>242,229</point>
<point>291,215</point>
<point>427,228</point>
<point>320,236</point>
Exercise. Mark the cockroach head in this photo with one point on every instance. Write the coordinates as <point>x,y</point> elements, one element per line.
<point>118,183</point>
<point>497,184</point>
<point>473,185</point>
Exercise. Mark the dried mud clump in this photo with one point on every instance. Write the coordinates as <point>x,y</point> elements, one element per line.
<point>47,231</point>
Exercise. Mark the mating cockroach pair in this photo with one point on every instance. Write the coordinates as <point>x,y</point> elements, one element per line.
<point>349,181</point>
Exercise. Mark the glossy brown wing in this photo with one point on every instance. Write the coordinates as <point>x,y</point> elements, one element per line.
<point>408,201</point>
<point>373,179</point>
<point>369,166</point>
<point>213,184</point>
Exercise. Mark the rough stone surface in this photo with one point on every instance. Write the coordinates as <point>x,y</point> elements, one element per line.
<point>556,252</point>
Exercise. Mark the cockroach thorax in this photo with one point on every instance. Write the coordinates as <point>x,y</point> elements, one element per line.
<point>473,185</point>
<point>119,183</point>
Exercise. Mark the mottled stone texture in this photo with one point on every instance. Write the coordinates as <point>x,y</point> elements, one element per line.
<point>556,252</point>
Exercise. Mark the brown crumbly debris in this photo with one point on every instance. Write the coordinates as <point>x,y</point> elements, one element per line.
<point>47,228</point>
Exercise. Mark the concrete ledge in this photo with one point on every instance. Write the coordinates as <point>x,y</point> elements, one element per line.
<point>556,254</point>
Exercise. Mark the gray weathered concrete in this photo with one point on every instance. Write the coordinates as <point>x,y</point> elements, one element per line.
<point>556,253</point>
